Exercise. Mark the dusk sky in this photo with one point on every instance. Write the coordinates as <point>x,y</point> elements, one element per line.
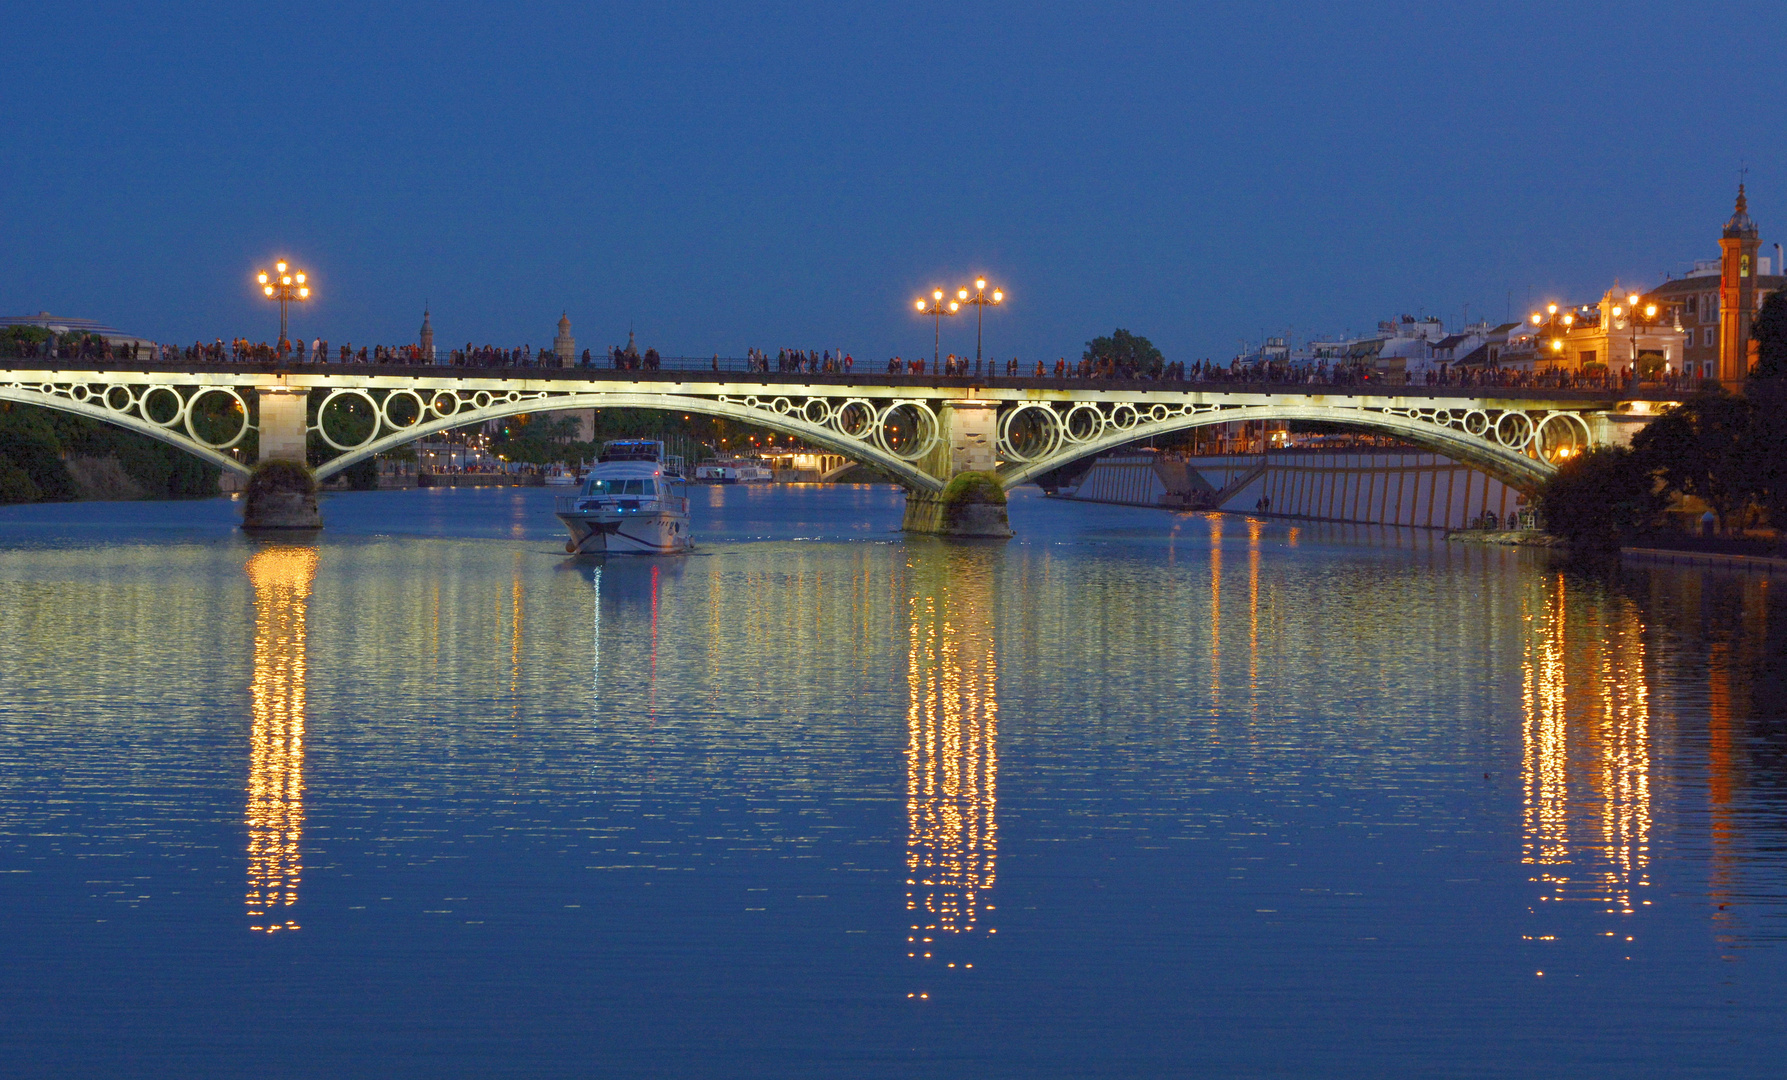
<point>794,174</point>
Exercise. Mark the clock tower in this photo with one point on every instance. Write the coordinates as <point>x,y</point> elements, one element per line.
<point>1737,294</point>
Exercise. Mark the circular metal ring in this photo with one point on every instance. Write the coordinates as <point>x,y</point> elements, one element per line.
<point>859,407</point>
<point>110,402</point>
<point>1476,422</point>
<point>481,400</point>
<point>1561,435</point>
<point>1159,413</point>
<point>820,417</point>
<point>924,438</point>
<point>1051,431</point>
<point>1124,416</point>
<point>241,409</point>
<point>78,392</point>
<point>782,405</point>
<point>385,409</point>
<point>450,398</point>
<point>1514,430</point>
<point>322,427</point>
<point>1082,424</point>
<point>147,401</point>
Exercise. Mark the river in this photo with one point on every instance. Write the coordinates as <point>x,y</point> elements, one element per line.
<point>1133,794</point>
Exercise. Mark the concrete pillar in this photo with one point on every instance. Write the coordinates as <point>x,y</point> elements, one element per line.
<point>280,496</point>
<point>284,425</point>
<point>966,443</point>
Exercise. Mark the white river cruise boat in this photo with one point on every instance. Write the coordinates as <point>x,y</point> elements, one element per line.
<point>716,471</point>
<point>633,501</point>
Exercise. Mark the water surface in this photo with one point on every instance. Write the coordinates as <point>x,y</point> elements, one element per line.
<point>1134,794</point>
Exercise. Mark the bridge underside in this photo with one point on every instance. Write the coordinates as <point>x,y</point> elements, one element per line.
<point>920,435</point>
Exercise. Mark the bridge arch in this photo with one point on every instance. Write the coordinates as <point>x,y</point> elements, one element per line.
<point>174,434</point>
<point>1513,467</point>
<point>793,423</point>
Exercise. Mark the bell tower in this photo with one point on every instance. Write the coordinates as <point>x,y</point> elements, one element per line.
<point>427,341</point>
<point>1737,294</point>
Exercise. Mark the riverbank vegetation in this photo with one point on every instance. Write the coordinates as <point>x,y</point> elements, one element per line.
<point>51,456</point>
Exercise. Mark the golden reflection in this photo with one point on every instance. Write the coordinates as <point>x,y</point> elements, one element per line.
<point>1586,763</point>
<point>281,577</point>
<point>952,757</point>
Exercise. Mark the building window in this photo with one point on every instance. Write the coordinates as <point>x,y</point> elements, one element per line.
<point>1693,307</point>
<point>1587,357</point>
<point>1711,337</point>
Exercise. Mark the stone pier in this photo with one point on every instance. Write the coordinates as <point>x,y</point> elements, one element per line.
<point>972,504</point>
<point>281,492</point>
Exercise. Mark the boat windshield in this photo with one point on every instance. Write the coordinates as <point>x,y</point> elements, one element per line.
<point>620,487</point>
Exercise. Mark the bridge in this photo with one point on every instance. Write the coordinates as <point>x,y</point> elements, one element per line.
<point>921,430</point>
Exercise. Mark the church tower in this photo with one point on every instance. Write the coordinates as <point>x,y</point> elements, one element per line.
<point>1737,294</point>
<point>427,337</point>
<point>564,345</point>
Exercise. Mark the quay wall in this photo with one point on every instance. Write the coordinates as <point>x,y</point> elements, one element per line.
<point>1404,488</point>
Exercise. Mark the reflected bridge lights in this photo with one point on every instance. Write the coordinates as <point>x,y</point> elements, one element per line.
<point>952,766</point>
<point>281,577</point>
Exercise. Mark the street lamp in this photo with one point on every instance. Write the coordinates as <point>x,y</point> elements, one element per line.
<point>285,285</point>
<point>1634,314</point>
<point>937,307</point>
<point>981,302</point>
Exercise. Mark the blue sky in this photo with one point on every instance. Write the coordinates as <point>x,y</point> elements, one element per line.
<point>793,174</point>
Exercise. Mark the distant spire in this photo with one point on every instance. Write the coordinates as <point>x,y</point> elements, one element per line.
<point>1740,224</point>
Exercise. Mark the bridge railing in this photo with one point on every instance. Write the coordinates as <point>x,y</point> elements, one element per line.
<point>741,370</point>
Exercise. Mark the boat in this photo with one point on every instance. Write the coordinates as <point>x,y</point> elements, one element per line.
<point>632,501</point>
<point>559,476</point>
<point>715,471</point>
<point>754,472</point>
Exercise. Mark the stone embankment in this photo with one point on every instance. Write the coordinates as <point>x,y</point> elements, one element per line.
<point>1505,537</point>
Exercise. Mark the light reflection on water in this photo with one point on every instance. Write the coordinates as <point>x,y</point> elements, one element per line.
<point>275,816</point>
<point>1209,779</point>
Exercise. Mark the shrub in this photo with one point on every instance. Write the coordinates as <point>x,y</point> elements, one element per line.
<point>15,483</point>
<point>278,476</point>
<point>974,487</point>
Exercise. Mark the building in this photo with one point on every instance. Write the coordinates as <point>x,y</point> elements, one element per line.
<point>1734,285</point>
<point>564,345</point>
<point>427,337</point>
<point>1623,331</point>
<point>62,324</point>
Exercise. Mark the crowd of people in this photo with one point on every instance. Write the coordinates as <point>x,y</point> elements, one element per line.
<point>826,362</point>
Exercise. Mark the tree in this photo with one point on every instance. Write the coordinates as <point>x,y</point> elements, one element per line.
<point>1707,448</point>
<point>1600,500</point>
<point>1770,332</point>
<point>1125,352</point>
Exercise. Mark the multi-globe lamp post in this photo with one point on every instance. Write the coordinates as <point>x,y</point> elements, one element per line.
<point>981,301</point>
<point>936,307</point>
<point>286,285</point>
<point>1634,315</point>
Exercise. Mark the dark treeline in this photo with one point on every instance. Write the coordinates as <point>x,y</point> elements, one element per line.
<point>35,443</point>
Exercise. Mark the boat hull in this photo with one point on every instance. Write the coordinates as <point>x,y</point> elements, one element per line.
<point>612,533</point>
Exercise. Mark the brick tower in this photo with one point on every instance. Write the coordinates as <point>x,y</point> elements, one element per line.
<point>1737,294</point>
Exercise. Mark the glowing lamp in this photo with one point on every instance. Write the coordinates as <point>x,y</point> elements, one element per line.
<point>1617,311</point>
<point>921,305</point>
<point>998,296</point>
<point>300,279</point>
<point>953,305</point>
<point>1535,318</point>
<point>268,290</point>
<point>980,283</point>
<point>1556,345</point>
<point>1551,308</point>
<point>304,294</point>
<point>1633,299</point>
<point>1569,320</point>
<point>279,266</point>
<point>961,294</point>
<point>1650,311</point>
<point>938,295</point>
<point>263,279</point>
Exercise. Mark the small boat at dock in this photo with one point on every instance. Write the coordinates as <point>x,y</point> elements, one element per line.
<point>632,501</point>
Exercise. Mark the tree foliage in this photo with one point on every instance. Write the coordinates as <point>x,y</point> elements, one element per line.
<point>1600,500</point>
<point>1770,332</point>
<point>1125,352</point>
<point>1707,448</point>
